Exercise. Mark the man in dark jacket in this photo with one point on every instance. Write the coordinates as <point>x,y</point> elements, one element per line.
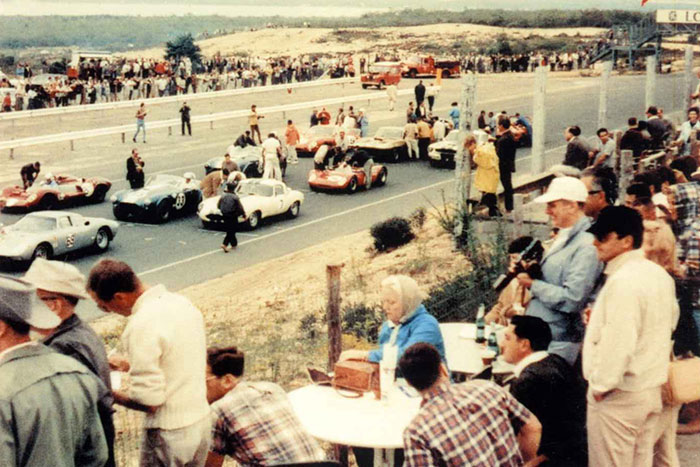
<point>230,207</point>
<point>577,149</point>
<point>548,386</point>
<point>505,148</point>
<point>28,173</point>
<point>185,118</point>
<point>134,170</point>
<point>656,128</point>
<point>420,93</point>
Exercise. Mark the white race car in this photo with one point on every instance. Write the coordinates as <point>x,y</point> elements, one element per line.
<point>260,198</point>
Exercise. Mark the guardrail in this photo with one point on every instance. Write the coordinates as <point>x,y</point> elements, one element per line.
<point>211,118</point>
<point>11,116</point>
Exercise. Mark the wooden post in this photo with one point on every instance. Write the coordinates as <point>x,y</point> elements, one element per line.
<point>463,166</point>
<point>12,153</point>
<point>603,102</point>
<point>688,73</point>
<point>539,119</point>
<point>618,153</point>
<point>123,137</point>
<point>649,95</point>
<point>626,172</point>
<point>170,130</point>
<point>333,314</point>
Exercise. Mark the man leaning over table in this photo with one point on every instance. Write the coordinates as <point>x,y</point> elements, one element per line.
<point>473,423</point>
<point>628,344</point>
<point>253,422</point>
<point>165,345</point>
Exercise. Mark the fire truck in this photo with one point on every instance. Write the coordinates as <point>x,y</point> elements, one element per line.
<point>420,66</point>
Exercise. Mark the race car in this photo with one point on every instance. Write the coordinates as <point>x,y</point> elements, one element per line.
<point>247,159</point>
<point>345,178</point>
<point>163,196</point>
<point>261,198</point>
<point>387,144</point>
<point>54,192</point>
<point>317,135</point>
<point>46,234</point>
<point>442,153</point>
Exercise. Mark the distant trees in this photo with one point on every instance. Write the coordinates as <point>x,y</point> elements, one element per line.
<point>183,46</point>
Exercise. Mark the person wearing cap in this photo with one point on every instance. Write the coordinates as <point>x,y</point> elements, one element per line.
<point>570,268</point>
<point>190,181</point>
<point>60,286</point>
<point>628,343</point>
<point>166,359</point>
<point>48,401</point>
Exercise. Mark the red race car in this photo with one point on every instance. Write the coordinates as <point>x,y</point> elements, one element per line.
<point>317,135</point>
<point>345,178</point>
<point>54,192</point>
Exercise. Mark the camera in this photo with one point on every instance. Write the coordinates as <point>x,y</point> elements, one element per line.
<point>527,260</point>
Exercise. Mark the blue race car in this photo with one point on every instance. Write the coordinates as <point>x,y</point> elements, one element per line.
<point>163,196</point>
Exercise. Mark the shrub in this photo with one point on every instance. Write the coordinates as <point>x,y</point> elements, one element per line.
<point>362,321</point>
<point>391,233</point>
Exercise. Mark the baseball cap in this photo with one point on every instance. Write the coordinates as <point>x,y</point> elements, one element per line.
<point>56,276</point>
<point>620,219</point>
<point>19,303</point>
<point>568,188</point>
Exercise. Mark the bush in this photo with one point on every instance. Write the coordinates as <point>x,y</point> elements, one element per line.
<point>362,321</point>
<point>391,233</point>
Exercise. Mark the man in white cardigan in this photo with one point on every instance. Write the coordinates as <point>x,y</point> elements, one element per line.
<point>166,360</point>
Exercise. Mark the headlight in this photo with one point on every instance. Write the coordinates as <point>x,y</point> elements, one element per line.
<point>113,198</point>
<point>31,198</point>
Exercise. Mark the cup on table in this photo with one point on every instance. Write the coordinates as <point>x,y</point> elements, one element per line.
<point>487,357</point>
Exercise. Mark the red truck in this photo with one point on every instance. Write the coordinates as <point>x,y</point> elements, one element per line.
<point>418,66</point>
<point>382,74</point>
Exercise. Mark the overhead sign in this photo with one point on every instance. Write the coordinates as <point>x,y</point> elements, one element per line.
<point>678,16</point>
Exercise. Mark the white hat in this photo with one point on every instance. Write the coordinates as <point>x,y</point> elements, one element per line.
<point>56,276</point>
<point>568,188</point>
<point>19,303</point>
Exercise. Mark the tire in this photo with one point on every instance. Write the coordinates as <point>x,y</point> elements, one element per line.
<point>364,86</point>
<point>352,186</point>
<point>252,171</point>
<point>395,156</point>
<point>446,74</point>
<point>254,220</point>
<point>163,211</point>
<point>43,250</point>
<point>381,178</point>
<point>48,203</point>
<point>381,84</point>
<point>412,73</point>
<point>102,239</point>
<point>207,225</point>
<point>293,210</point>
<point>99,195</point>
<point>434,163</point>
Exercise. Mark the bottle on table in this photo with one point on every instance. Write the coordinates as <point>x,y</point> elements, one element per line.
<point>481,325</point>
<point>493,340</point>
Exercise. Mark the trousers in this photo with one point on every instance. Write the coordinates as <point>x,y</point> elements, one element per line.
<point>187,446</point>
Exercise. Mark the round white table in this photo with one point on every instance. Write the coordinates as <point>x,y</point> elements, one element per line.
<point>364,421</point>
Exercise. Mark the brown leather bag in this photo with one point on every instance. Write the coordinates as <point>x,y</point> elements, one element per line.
<point>357,376</point>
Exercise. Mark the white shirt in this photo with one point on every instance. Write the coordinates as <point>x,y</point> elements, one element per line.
<point>527,361</point>
<point>628,340</point>
<point>270,147</point>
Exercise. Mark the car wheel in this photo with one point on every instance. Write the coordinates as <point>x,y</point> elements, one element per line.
<point>254,220</point>
<point>352,186</point>
<point>446,74</point>
<point>118,214</point>
<point>293,210</point>
<point>433,163</point>
<point>381,84</point>
<point>48,203</point>
<point>99,194</point>
<point>412,73</point>
<point>43,250</point>
<point>395,155</point>
<point>364,86</point>
<point>381,179</point>
<point>163,211</point>
<point>102,239</point>
<point>207,225</point>
<point>252,171</point>
<point>180,201</point>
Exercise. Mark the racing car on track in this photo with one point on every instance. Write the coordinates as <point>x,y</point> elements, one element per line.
<point>387,144</point>
<point>261,198</point>
<point>247,159</point>
<point>164,196</point>
<point>54,192</point>
<point>345,178</point>
<point>46,234</point>
<point>314,137</point>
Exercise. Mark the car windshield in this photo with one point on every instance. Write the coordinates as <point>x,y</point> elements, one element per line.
<point>389,133</point>
<point>163,179</point>
<point>321,130</point>
<point>254,188</point>
<point>34,224</point>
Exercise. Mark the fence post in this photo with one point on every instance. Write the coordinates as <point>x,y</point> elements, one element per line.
<point>463,166</point>
<point>170,130</point>
<point>539,120</point>
<point>71,146</point>
<point>688,77</point>
<point>123,137</point>
<point>626,172</point>
<point>650,90</point>
<point>333,313</point>
<point>603,102</point>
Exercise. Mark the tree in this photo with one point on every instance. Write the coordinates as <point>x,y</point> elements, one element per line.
<point>183,46</point>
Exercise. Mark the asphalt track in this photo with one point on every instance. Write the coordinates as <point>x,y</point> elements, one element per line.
<point>180,253</point>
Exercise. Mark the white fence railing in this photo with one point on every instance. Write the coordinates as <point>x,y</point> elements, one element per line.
<point>8,116</point>
<point>368,96</point>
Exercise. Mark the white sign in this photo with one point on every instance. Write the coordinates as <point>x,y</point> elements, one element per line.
<point>678,16</point>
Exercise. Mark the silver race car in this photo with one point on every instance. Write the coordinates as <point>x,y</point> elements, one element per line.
<point>47,234</point>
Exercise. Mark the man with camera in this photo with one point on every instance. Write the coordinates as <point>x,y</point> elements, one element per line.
<point>570,268</point>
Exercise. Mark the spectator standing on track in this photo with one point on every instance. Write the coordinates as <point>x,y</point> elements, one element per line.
<point>410,135</point>
<point>313,120</point>
<point>454,115</point>
<point>340,117</point>
<point>363,123</point>
<point>185,118</point>
<point>140,122</point>
<point>391,93</point>
<point>253,118</point>
<point>419,92</point>
<point>271,158</point>
<point>424,133</point>
<point>431,93</point>
<point>134,170</point>
<point>324,117</point>
<point>230,207</point>
<point>291,139</point>
<point>29,173</point>
<point>165,347</point>
<point>410,112</point>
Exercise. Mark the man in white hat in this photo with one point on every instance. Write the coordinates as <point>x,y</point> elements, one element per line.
<point>570,268</point>
<point>61,286</point>
<point>48,402</point>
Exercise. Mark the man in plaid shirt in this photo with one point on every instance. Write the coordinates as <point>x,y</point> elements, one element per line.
<point>253,422</point>
<point>468,424</point>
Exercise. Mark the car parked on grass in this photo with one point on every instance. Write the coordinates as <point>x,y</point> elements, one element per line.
<point>63,191</point>
<point>163,197</point>
<point>47,234</point>
<point>261,198</point>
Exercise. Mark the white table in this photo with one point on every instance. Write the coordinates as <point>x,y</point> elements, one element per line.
<point>463,353</point>
<point>364,421</point>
